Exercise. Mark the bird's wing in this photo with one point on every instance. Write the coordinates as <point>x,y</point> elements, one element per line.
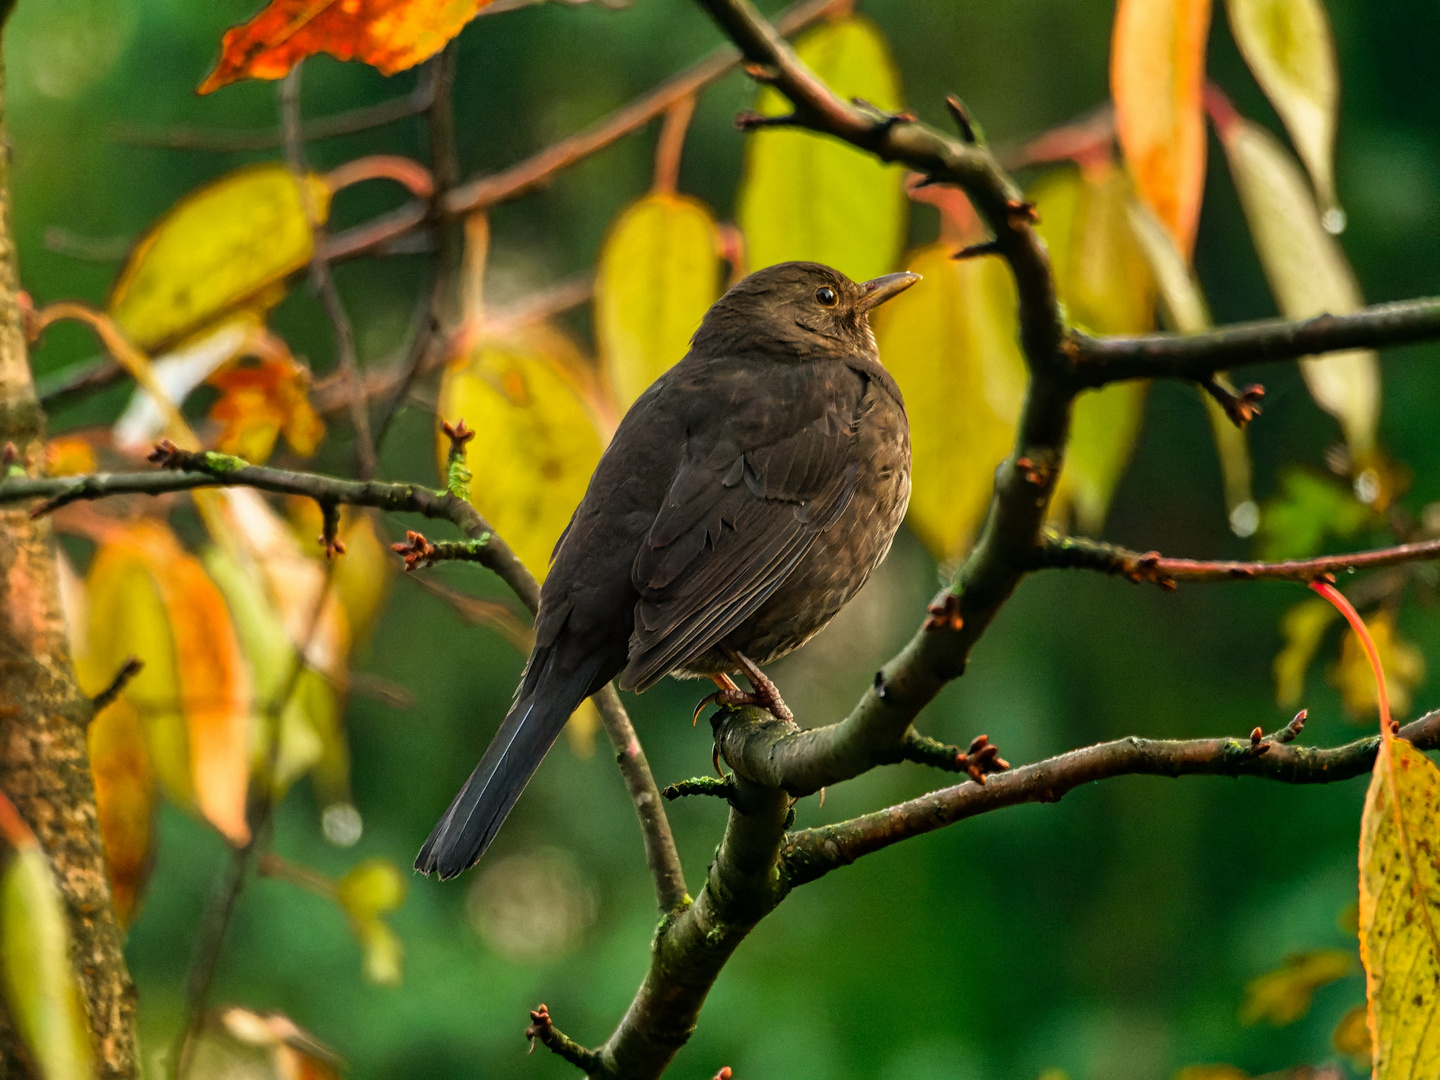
<point>754,490</point>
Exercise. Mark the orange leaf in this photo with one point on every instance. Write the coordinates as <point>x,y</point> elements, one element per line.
<point>125,796</point>
<point>391,35</point>
<point>259,402</point>
<point>1157,72</point>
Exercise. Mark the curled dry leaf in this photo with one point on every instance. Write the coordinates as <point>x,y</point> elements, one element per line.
<point>538,438</point>
<point>806,196</point>
<point>390,35</point>
<point>659,270</point>
<point>1184,309</point>
<point>125,800</point>
<point>1307,272</point>
<point>1105,283</point>
<point>950,342</point>
<point>151,599</point>
<point>1157,73</point>
<point>226,245</point>
<point>1291,52</point>
<point>40,991</point>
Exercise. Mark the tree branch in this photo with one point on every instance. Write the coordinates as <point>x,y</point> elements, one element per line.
<point>812,853</point>
<point>1078,552</point>
<point>1100,360</point>
<point>537,170</point>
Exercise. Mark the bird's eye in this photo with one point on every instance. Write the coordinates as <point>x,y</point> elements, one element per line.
<point>826,295</point>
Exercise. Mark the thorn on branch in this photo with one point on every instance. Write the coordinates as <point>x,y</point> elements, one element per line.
<point>330,529</point>
<point>975,251</point>
<point>721,788</point>
<point>961,115</point>
<point>128,670</point>
<point>761,73</point>
<point>944,614</point>
<point>1241,406</point>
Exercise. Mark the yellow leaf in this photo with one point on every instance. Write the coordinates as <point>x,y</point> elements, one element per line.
<point>125,797</point>
<point>1211,1072</point>
<point>1307,272</point>
<point>1283,996</point>
<point>227,244</point>
<point>361,577</point>
<point>658,273</point>
<point>69,455</point>
<point>806,196</point>
<point>238,1044</point>
<point>1185,310</point>
<point>149,598</point>
<point>1400,910</point>
<point>371,889</point>
<point>1403,663</point>
<point>1105,283</point>
<point>40,989</point>
<point>580,730</point>
<point>1303,627</point>
<point>1352,1037</point>
<point>260,401</point>
<point>1291,52</point>
<point>1157,72</point>
<point>537,440</point>
<point>951,343</point>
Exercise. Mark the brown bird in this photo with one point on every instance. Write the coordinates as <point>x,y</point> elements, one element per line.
<point>746,497</point>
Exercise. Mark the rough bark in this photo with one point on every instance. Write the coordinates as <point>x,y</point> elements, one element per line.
<point>43,714</point>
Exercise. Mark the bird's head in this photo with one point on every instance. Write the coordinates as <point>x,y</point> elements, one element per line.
<point>800,310</point>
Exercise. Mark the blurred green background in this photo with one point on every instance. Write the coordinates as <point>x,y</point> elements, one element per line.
<point>1110,935</point>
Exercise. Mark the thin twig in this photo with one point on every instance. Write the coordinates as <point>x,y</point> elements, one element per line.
<point>349,122</point>
<point>660,852</point>
<point>812,853</point>
<point>535,171</point>
<point>1078,552</point>
<point>323,282</point>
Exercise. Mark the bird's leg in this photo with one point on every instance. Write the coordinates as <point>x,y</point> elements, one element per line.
<point>763,693</point>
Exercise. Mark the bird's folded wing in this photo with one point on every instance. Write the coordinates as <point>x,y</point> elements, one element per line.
<point>736,522</point>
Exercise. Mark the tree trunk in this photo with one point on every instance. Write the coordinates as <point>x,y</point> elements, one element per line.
<point>43,714</point>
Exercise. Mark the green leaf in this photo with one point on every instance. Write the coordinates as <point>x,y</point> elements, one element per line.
<point>1308,510</point>
<point>41,994</point>
<point>371,889</point>
<point>807,196</point>
<point>659,271</point>
<point>1291,53</point>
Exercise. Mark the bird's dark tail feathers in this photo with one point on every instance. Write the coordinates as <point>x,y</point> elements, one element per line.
<point>532,725</point>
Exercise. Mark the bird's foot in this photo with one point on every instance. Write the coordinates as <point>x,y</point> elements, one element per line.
<point>763,692</point>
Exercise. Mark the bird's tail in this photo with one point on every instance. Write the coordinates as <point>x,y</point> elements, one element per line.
<point>547,698</point>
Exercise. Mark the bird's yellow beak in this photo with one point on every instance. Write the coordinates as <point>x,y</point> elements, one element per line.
<point>883,288</point>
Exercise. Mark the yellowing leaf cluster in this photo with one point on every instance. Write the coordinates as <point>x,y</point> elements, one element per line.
<point>805,196</point>
<point>1283,996</point>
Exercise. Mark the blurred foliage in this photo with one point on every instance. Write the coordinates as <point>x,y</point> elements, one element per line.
<point>1110,936</point>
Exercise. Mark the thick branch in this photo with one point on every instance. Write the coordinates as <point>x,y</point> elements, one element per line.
<point>812,853</point>
<point>1193,356</point>
<point>1078,552</point>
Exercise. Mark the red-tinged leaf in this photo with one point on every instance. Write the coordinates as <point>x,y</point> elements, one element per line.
<point>1157,73</point>
<point>151,599</point>
<point>41,994</point>
<point>125,798</point>
<point>390,35</point>
<point>259,402</point>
